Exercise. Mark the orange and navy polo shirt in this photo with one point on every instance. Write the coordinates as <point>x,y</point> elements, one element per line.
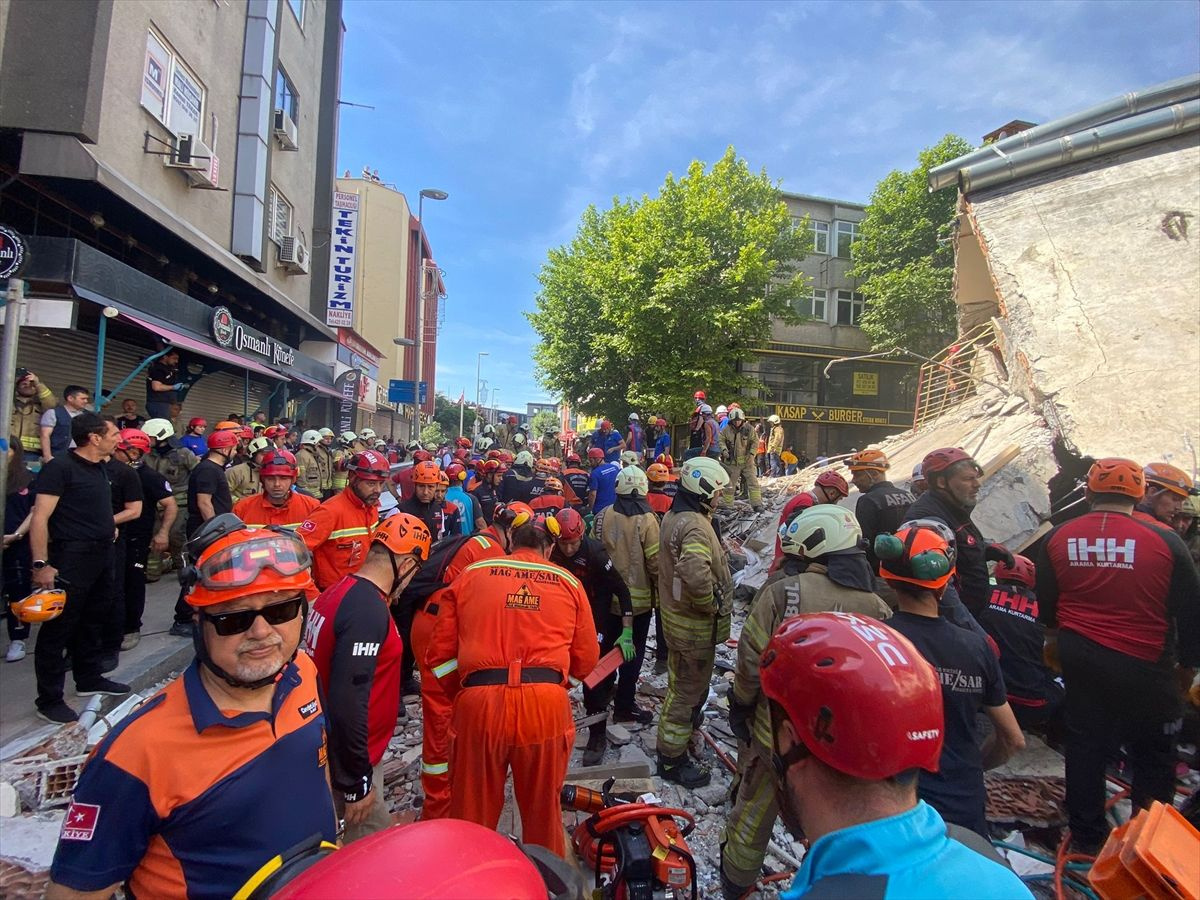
<point>181,800</point>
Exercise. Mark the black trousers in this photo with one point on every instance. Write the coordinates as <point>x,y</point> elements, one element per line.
<point>597,699</point>
<point>85,570</point>
<point>114,626</point>
<point>1114,699</point>
<point>137,551</point>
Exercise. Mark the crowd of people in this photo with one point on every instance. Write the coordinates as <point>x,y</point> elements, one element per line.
<point>326,576</point>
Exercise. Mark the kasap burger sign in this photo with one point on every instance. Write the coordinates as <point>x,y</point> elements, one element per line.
<point>12,252</point>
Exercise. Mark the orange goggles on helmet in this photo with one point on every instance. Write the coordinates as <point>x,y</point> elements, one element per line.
<point>241,564</point>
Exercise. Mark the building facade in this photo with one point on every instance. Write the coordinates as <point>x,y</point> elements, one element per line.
<point>173,175</point>
<point>827,410</point>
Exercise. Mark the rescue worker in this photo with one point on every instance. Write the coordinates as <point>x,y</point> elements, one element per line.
<point>356,648</point>
<point>602,481</point>
<point>695,595</point>
<point>325,462</point>
<point>775,447</point>
<point>174,463</point>
<point>277,504</point>
<point>881,507</point>
<point>515,630</point>
<point>1120,599</point>
<point>424,503</point>
<point>552,447</point>
<point>830,487</point>
<point>662,443</point>
<point>856,713</point>
<point>658,476</point>
<point>31,400</point>
<point>635,439</point>
<point>1167,487</point>
<point>670,488</point>
<point>243,478</point>
<point>737,450</point>
<point>338,531</point>
<point>193,438</point>
<point>487,489</point>
<point>470,514</point>
<point>835,576</point>
<point>551,500</point>
<point>607,440</point>
<point>918,562</point>
<point>503,431</point>
<point>917,484</point>
<point>308,464</point>
<point>576,478</point>
<point>342,455</point>
<point>518,483</point>
<point>156,807</point>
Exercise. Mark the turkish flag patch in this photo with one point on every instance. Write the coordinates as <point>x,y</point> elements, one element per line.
<point>80,822</point>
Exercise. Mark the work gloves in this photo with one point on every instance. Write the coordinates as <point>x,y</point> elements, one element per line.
<point>999,553</point>
<point>740,717</point>
<point>625,642</point>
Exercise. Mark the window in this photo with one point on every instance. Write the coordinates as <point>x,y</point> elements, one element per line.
<point>847,235</point>
<point>171,92</point>
<point>285,96</point>
<point>297,10</point>
<point>820,236</point>
<point>813,307</point>
<point>850,305</point>
<point>280,213</point>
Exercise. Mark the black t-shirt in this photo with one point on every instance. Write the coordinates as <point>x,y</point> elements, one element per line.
<point>84,510</point>
<point>126,486</point>
<point>160,371</point>
<point>207,478</point>
<point>134,421</point>
<point>971,679</point>
<point>1011,620</point>
<point>154,489</point>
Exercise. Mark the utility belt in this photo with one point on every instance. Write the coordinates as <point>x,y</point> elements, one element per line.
<point>514,676</point>
<point>80,546</point>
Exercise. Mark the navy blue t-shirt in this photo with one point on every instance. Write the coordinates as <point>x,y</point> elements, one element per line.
<point>970,676</point>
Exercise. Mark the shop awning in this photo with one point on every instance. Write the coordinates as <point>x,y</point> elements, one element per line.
<point>315,385</point>
<point>204,349</point>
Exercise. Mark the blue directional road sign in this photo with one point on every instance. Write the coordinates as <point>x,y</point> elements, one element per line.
<point>400,391</point>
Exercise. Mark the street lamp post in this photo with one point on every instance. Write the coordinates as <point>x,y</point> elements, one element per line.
<point>495,410</point>
<point>478,371</point>
<point>432,194</point>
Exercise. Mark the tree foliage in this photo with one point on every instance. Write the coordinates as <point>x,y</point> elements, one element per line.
<point>446,415</point>
<point>904,259</point>
<point>432,433</point>
<point>657,297</point>
<point>540,423</point>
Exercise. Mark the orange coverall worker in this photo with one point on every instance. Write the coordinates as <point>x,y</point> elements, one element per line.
<point>337,534</point>
<point>515,629</point>
<point>436,702</point>
<point>258,510</point>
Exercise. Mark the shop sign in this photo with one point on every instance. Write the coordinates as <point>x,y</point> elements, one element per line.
<point>866,384</point>
<point>12,252</point>
<point>845,415</point>
<point>228,332</point>
<point>348,386</point>
<point>339,309</point>
<point>349,339</point>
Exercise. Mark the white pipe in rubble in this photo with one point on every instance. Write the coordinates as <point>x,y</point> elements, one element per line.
<point>90,713</point>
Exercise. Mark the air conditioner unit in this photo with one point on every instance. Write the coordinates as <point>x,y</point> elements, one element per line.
<point>195,159</point>
<point>285,131</point>
<point>293,255</point>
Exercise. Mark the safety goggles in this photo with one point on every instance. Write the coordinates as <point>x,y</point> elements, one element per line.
<point>240,564</point>
<point>230,623</point>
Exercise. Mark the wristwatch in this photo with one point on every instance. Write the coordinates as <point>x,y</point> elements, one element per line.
<point>39,564</point>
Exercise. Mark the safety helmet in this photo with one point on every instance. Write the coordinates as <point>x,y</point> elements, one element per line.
<point>403,533</point>
<point>631,479</point>
<point>605,425</point>
<point>918,473</point>
<point>1169,478</point>
<point>486,467</point>
<point>524,458</point>
<point>817,530</point>
<point>246,434</point>
<point>368,465</point>
<point>258,445</point>
<point>633,417</point>
<point>197,423</point>
<point>1117,476</point>
<point>921,552</point>
<point>660,422</point>
<point>699,395</point>
<point>553,485</point>
<point>512,515</point>
<point>223,440</point>
<point>704,477</point>
<point>860,696</point>
<point>519,439</point>
<point>347,437</point>
<point>555,464</point>
<point>1022,571</point>
<point>280,462</point>
<point>367,434</point>
<point>574,460</point>
<point>275,431</point>
<point>1190,506</point>
<point>835,481</point>
<point>542,465</point>
<point>326,432</point>
<point>868,460</point>
<point>705,409</point>
<point>312,436</point>
<point>736,414</point>
<point>658,473</point>
<point>40,606</point>
<point>224,425</point>
<point>722,409</point>
<point>226,561</point>
<point>943,458</point>
<point>489,428</point>
<point>380,445</point>
<point>426,472</point>
<point>570,523</point>
<point>463,443</point>
<point>158,429</point>
<point>462,455</point>
<point>420,456</point>
<point>524,426</point>
<point>134,439</point>
<point>666,459</point>
<point>629,458</point>
<point>456,472</point>
<point>595,453</point>
<point>773,419</point>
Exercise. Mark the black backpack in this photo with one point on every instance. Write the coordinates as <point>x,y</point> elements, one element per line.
<point>431,576</point>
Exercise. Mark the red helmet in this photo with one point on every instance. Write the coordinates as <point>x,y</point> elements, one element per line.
<point>605,425</point>
<point>280,462</point>
<point>570,524</point>
<point>369,466</point>
<point>462,442</point>
<point>666,459</point>
<point>699,395</point>
<point>275,431</point>
<point>573,459</point>
<point>943,458</point>
<point>223,440</point>
<point>461,454</point>
<point>422,861</point>
<point>134,439</point>
<point>493,454</point>
<point>835,481</point>
<point>488,466</point>
<point>197,423</point>
<point>512,420</point>
<point>506,457</point>
<point>1021,571</point>
<point>456,472</point>
<point>595,453</point>
<point>420,456</point>
<point>555,464</point>
<point>861,697</point>
<point>660,422</point>
<point>246,434</point>
<point>426,472</point>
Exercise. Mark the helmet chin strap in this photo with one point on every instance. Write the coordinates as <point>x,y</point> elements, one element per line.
<point>202,654</point>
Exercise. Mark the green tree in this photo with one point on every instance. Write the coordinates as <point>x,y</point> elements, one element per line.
<point>445,413</point>
<point>904,259</point>
<point>432,434</point>
<point>657,297</point>
<point>539,424</point>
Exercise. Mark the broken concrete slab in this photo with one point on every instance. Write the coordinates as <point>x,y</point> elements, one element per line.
<point>617,734</point>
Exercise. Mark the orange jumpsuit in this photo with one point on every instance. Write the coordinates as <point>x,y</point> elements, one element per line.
<point>515,629</point>
<point>436,703</point>
<point>338,533</point>
<point>258,510</point>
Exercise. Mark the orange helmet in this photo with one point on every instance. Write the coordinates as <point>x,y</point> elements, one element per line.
<point>658,473</point>
<point>224,425</point>
<point>512,515</point>
<point>404,534</point>
<point>236,561</point>
<point>868,460</point>
<point>40,606</point>
<point>1168,478</point>
<point>1117,476</point>
<point>443,479</point>
<point>553,485</point>
<point>921,552</point>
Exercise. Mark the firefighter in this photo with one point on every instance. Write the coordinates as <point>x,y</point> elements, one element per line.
<point>695,593</point>
<point>277,504</point>
<point>338,531</point>
<point>342,454</point>
<point>836,576</point>
<point>308,462</point>
<point>325,460</point>
<point>174,463</point>
<point>830,487</point>
<point>738,444</point>
<point>515,631</point>
<point>774,447</point>
<point>551,445</point>
<point>424,504</point>
<point>551,500</point>
<point>243,479</point>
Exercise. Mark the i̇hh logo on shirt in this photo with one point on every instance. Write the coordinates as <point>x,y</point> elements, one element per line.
<point>80,822</point>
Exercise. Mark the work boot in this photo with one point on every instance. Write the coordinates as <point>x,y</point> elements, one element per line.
<point>593,754</point>
<point>633,714</point>
<point>660,665</point>
<point>130,640</point>
<point>411,687</point>
<point>180,629</point>
<point>682,771</point>
<point>731,891</point>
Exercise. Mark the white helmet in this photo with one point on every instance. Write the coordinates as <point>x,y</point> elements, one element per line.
<point>312,436</point>
<point>703,476</point>
<point>524,458</point>
<point>158,429</point>
<point>631,479</point>
<point>489,428</point>
<point>629,458</point>
<point>519,439</point>
<point>736,414</point>
<point>367,434</point>
<point>326,432</point>
<point>257,445</point>
<point>380,444</point>
<point>826,528</point>
<point>705,409</point>
<point>774,420</point>
<point>633,417</point>
<point>722,409</point>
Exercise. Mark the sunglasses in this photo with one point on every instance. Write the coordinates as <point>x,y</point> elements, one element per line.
<point>230,623</point>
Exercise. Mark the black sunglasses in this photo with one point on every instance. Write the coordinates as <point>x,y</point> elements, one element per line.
<point>238,622</point>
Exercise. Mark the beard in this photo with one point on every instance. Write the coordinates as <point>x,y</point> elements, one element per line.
<point>788,812</point>
<point>250,669</point>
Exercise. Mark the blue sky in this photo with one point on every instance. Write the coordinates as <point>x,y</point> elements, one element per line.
<point>527,112</point>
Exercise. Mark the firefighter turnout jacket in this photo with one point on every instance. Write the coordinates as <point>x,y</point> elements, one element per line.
<point>695,590</point>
